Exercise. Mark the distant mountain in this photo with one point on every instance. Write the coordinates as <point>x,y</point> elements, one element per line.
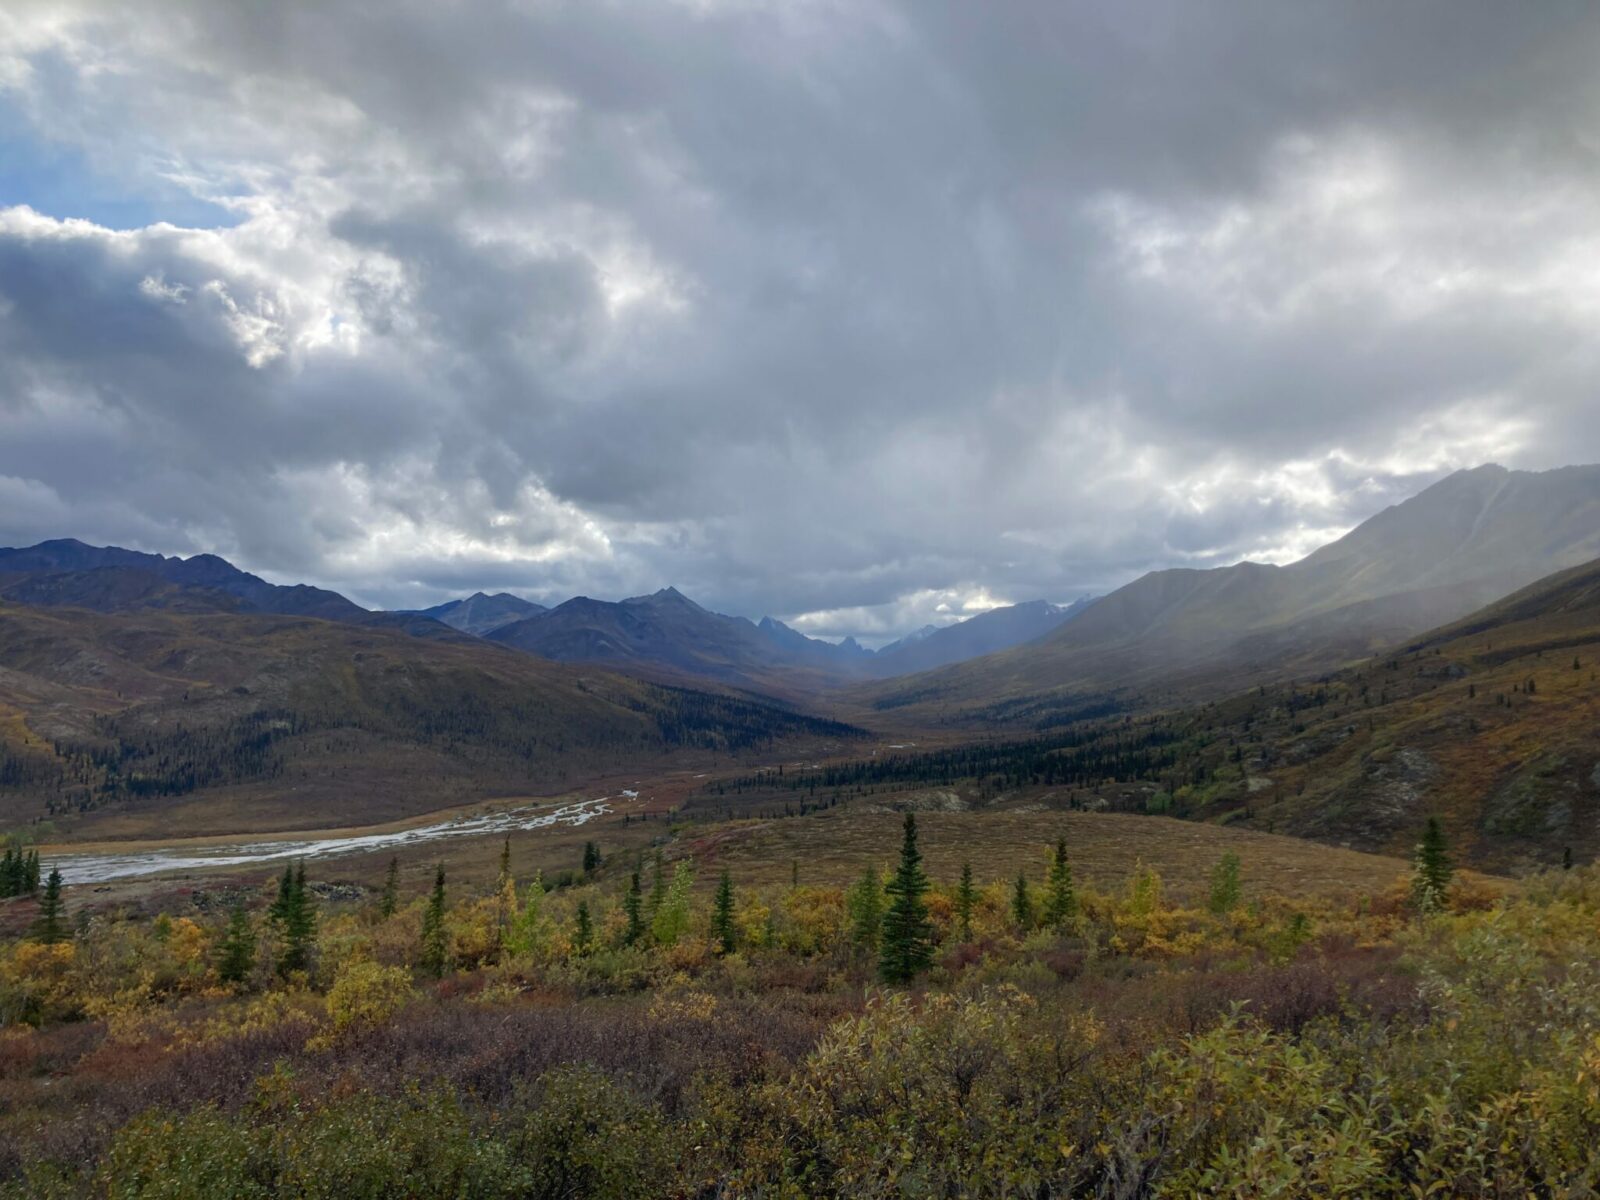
<point>480,614</point>
<point>663,632</point>
<point>848,655</point>
<point>1460,544</point>
<point>910,639</point>
<point>69,573</point>
<point>669,632</point>
<point>986,633</point>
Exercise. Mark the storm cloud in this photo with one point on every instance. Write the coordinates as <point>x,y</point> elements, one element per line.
<point>859,314</point>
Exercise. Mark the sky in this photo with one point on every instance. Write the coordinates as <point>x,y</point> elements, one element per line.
<point>862,314</point>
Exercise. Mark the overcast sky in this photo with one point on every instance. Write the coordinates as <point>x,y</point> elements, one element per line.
<point>862,314</point>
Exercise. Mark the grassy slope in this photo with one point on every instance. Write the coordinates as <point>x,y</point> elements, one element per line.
<point>836,846</point>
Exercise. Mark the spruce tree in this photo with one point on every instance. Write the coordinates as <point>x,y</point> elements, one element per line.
<point>1061,901</point>
<point>591,858</point>
<point>51,927</point>
<point>505,905</point>
<point>633,909</point>
<point>864,905</point>
<point>1431,880</point>
<point>278,910</point>
<point>435,944</point>
<point>658,888</point>
<point>390,900</point>
<point>966,901</point>
<point>907,934</point>
<point>722,927</point>
<point>1022,904</point>
<point>583,934</point>
<point>236,956</point>
<point>299,925</point>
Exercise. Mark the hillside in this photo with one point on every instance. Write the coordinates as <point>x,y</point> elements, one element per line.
<point>109,578</point>
<point>1460,544</point>
<point>1491,723</point>
<point>156,722</point>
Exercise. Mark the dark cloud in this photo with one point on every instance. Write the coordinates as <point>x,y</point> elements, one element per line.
<point>870,312</point>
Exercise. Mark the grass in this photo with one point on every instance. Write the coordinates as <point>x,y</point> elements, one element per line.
<point>836,846</point>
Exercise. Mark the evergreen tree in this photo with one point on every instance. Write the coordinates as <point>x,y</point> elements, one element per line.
<point>50,927</point>
<point>722,927</point>
<point>583,934</point>
<point>966,901</point>
<point>294,916</point>
<point>391,890</point>
<point>505,902</point>
<point>633,909</point>
<point>864,906</point>
<point>278,910</point>
<point>1061,901</point>
<point>435,939</point>
<point>1225,891</point>
<point>907,940</point>
<point>236,956</point>
<point>1566,858</point>
<point>591,858</point>
<point>1431,880</point>
<point>1022,904</point>
<point>658,889</point>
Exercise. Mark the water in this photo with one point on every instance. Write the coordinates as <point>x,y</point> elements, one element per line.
<point>101,868</point>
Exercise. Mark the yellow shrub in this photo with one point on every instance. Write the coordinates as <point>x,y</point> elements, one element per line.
<point>366,995</point>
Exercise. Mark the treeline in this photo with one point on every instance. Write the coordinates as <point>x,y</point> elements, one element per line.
<point>1079,758</point>
<point>706,721</point>
<point>19,872</point>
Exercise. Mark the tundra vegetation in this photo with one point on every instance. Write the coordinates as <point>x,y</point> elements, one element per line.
<point>657,1028</point>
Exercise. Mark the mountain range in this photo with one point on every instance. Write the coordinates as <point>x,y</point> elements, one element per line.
<point>665,635</point>
<point>1462,543</point>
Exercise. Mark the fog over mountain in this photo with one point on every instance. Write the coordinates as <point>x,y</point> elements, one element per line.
<point>865,316</point>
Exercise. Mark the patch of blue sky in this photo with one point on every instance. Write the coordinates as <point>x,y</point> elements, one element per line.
<point>60,181</point>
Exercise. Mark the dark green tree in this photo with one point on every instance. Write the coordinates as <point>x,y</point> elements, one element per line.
<point>658,888</point>
<point>236,956</point>
<point>591,858</point>
<point>633,909</point>
<point>278,910</point>
<point>966,901</point>
<point>864,906</point>
<point>583,934</point>
<point>298,924</point>
<point>1061,901</point>
<point>390,900</point>
<point>723,931</point>
<point>51,924</point>
<point>435,938</point>
<point>907,939</point>
<point>1431,880</point>
<point>1022,904</point>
